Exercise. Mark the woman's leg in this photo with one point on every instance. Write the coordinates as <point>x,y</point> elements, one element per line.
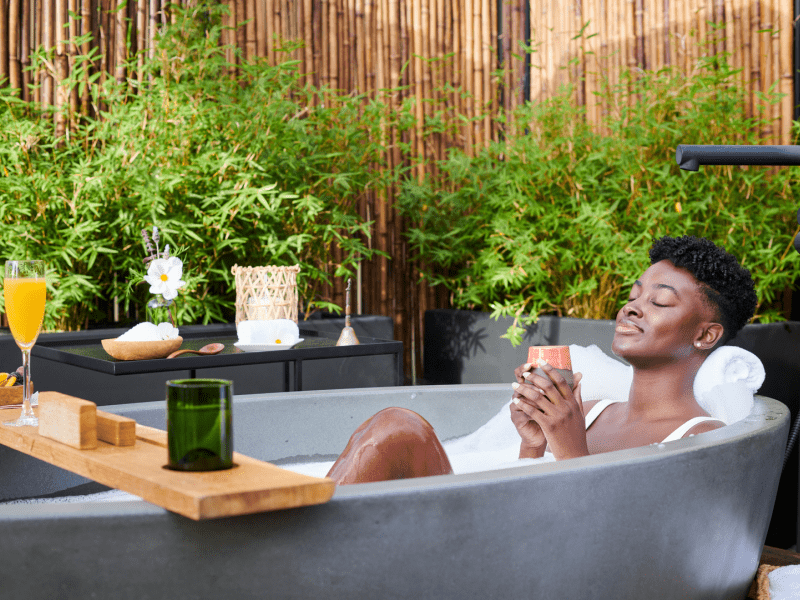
<point>396,443</point>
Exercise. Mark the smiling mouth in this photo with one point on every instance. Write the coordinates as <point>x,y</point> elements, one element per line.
<point>627,328</point>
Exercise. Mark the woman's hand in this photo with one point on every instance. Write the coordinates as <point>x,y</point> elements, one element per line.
<point>554,407</point>
<point>533,441</point>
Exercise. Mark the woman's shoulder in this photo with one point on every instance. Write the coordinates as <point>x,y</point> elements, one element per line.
<point>704,426</point>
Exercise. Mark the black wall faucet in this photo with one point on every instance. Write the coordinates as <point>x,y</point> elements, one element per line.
<point>690,157</point>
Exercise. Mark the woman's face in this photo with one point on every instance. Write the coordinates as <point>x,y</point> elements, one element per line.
<point>665,315</point>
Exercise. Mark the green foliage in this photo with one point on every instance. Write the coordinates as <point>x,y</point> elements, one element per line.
<point>253,169</point>
<point>557,219</point>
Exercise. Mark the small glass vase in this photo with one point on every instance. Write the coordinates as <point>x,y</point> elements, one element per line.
<point>160,311</point>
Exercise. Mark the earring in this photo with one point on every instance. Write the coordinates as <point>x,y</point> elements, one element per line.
<point>697,344</point>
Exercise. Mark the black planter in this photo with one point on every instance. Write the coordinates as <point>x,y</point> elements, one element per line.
<point>466,347</point>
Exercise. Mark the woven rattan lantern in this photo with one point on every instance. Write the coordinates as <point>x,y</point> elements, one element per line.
<point>266,293</point>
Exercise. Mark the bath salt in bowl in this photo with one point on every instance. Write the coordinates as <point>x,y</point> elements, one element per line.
<point>144,341</point>
<point>275,334</point>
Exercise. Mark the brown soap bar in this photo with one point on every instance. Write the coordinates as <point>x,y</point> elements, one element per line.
<point>115,429</point>
<point>68,420</point>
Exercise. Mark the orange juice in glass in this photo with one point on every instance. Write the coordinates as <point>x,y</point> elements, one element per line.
<point>24,308</point>
<point>24,292</point>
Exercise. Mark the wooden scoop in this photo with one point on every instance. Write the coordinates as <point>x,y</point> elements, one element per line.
<point>208,349</point>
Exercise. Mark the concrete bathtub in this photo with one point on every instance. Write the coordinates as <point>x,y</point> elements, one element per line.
<point>680,520</point>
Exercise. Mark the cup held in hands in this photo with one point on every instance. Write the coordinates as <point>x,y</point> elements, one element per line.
<point>557,357</point>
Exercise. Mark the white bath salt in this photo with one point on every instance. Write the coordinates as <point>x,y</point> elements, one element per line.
<point>143,332</point>
<point>784,583</point>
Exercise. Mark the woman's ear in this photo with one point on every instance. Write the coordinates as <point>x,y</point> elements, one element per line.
<point>710,335</point>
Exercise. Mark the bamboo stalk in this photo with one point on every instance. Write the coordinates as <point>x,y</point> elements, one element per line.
<point>4,41</point>
<point>550,75</point>
<point>755,50</point>
<point>86,27</point>
<point>746,53</point>
<point>765,24</point>
<point>536,65</point>
<point>141,37</point>
<point>37,36</point>
<point>316,19</point>
<point>381,48</point>
<point>593,68</point>
<point>333,73</point>
<point>488,96</point>
<point>469,74</point>
<point>25,50</point>
<point>73,16</point>
<point>458,66</point>
<point>14,66</point>
<point>639,31</point>
<point>348,39</point>
<point>725,9</point>
<point>575,52</point>
<point>250,48</point>
<point>702,29</point>
<point>441,52</point>
<point>308,40</point>
<point>61,94</point>
<point>121,35</point>
<point>241,29</point>
<point>658,35</point>
<point>152,28</point>
<point>785,71</point>
<point>614,63</point>
<point>776,70</point>
<point>477,74</point>
<point>505,49</point>
<point>690,7</point>
<point>47,42</point>
<point>651,41</point>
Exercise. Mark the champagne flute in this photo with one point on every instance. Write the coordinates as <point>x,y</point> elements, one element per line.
<point>24,292</point>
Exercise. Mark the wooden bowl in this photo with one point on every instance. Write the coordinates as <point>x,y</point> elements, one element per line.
<point>141,350</point>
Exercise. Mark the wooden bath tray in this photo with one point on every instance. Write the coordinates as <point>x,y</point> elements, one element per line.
<point>251,486</point>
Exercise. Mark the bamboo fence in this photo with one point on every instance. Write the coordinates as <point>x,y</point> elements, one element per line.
<point>425,49</point>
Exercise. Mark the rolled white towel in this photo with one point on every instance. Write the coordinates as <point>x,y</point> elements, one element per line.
<point>729,364</point>
<point>725,384</point>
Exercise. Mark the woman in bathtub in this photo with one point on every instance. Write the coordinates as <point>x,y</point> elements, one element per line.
<point>693,297</point>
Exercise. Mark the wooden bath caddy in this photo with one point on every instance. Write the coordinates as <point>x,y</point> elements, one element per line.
<point>251,486</point>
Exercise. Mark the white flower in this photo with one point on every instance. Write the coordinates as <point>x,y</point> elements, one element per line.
<point>281,332</point>
<point>164,277</point>
<point>166,331</point>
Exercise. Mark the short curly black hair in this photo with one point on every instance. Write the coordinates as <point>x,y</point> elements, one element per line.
<point>727,285</point>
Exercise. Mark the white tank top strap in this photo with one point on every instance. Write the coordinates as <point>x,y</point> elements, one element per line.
<point>599,407</point>
<point>681,431</point>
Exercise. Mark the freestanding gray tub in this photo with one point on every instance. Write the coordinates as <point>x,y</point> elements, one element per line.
<point>680,520</point>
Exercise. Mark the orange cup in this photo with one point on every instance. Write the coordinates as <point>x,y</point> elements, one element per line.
<point>556,356</point>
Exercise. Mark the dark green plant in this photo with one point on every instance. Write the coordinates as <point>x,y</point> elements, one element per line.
<point>245,166</point>
<point>557,219</point>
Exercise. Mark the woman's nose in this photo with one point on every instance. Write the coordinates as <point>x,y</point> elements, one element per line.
<point>632,308</point>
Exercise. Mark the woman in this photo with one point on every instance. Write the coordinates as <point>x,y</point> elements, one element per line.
<point>693,297</point>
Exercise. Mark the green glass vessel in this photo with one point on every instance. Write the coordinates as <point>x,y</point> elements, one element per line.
<point>199,424</point>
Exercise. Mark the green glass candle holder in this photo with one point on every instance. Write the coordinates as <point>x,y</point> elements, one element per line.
<point>199,424</point>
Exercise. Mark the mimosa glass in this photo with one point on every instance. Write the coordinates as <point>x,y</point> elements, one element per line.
<point>24,292</point>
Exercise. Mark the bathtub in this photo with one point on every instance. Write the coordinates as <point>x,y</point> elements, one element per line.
<point>680,520</point>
